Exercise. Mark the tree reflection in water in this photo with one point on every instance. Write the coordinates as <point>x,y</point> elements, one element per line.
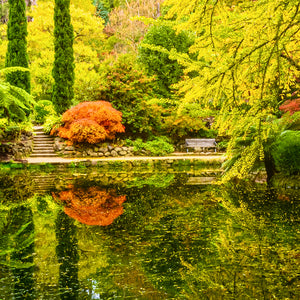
<point>92,205</point>
<point>67,256</point>
<point>16,238</point>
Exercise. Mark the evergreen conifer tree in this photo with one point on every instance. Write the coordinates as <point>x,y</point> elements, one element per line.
<point>63,69</point>
<point>16,54</point>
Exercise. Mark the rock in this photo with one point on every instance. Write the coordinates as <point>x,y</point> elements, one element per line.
<point>123,153</point>
<point>69,148</point>
<point>114,153</point>
<point>89,152</point>
<point>118,149</point>
<point>107,154</point>
<point>68,152</point>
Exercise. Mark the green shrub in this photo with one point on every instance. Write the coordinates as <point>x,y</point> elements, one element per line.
<point>286,151</point>
<point>157,147</point>
<point>3,125</point>
<point>42,109</point>
<point>13,130</point>
<point>52,122</point>
<point>127,87</point>
<point>168,71</point>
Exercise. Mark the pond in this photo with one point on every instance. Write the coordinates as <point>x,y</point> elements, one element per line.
<point>88,234</point>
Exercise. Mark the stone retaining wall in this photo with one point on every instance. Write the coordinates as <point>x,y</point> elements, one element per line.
<point>17,149</point>
<point>97,150</point>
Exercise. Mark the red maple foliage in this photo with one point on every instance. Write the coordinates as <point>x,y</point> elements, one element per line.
<point>291,106</point>
<point>91,122</point>
<point>92,206</point>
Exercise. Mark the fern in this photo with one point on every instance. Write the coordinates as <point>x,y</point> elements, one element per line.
<point>14,101</point>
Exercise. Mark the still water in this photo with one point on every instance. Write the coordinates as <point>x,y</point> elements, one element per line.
<point>84,234</point>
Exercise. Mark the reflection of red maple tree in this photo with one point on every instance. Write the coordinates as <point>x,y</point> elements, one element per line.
<point>92,206</point>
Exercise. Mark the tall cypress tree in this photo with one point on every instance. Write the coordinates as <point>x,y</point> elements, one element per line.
<point>63,69</point>
<point>16,54</point>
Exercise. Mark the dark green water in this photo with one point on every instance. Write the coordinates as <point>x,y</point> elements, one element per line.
<point>83,234</point>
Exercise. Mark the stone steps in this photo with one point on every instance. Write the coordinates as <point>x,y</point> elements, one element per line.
<point>43,144</point>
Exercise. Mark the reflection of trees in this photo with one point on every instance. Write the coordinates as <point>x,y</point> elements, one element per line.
<point>16,250</point>
<point>67,255</point>
<point>254,250</point>
<point>217,243</point>
<point>23,277</point>
<point>17,233</point>
<point>160,229</point>
<point>92,205</point>
<point>15,188</point>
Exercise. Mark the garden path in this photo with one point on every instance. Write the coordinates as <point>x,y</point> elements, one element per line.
<point>174,156</point>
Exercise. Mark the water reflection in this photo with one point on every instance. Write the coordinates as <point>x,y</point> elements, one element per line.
<point>67,256</point>
<point>170,239</point>
<point>92,205</point>
<point>16,253</point>
<point>22,224</point>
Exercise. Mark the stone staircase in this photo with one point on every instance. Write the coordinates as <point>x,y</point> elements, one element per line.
<point>42,143</point>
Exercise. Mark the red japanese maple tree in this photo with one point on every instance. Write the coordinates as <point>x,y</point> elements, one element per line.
<point>91,122</point>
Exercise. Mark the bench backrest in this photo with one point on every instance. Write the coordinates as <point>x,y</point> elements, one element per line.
<point>204,143</point>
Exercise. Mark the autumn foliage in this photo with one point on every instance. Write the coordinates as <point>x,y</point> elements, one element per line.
<point>91,122</point>
<point>291,106</point>
<point>92,206</point>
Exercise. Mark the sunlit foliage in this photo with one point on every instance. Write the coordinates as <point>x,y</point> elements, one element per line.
<point>247,61</point>
<point>91,122</point>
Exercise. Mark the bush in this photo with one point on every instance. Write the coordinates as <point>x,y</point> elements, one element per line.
<point>290,106</point>
<point>286,152</point>
<point>157,147</point>
<point>52,123</point>
<point>42,109</point>
<point>168,71</point>
<point>91,122</point>
<point>128,88</point>
<point>3,125</point>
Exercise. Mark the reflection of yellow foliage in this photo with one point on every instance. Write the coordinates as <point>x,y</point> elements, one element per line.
<point>92,206</point>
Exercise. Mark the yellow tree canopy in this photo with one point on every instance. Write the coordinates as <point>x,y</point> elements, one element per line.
<point>247,63</point>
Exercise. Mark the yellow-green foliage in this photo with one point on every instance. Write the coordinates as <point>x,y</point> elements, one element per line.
<point>247,61</point>
<point>88,42</point>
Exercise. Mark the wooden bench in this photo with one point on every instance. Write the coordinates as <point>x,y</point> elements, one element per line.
<point>200,145</point>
